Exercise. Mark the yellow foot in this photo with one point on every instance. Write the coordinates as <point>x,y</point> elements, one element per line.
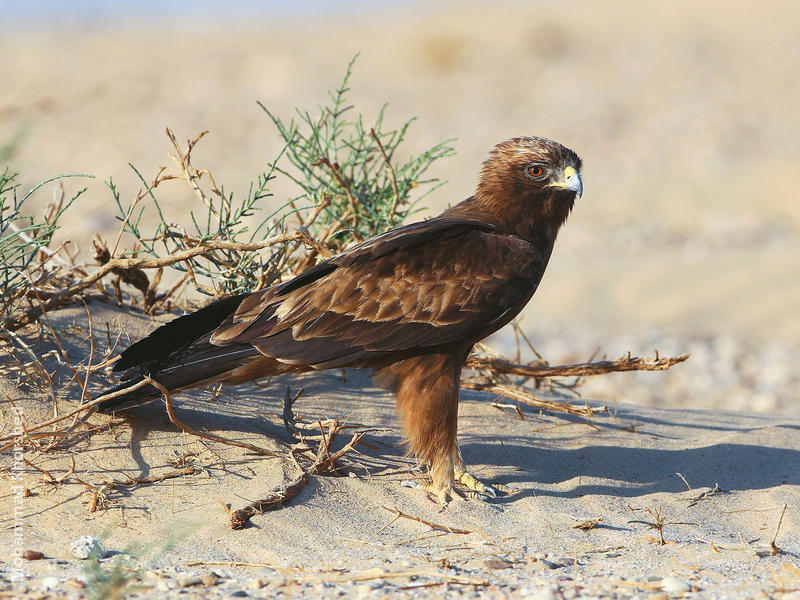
<point>441,495</point>
<point>474,484</point>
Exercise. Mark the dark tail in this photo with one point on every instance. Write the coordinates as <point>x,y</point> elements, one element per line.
<point>178,356</point>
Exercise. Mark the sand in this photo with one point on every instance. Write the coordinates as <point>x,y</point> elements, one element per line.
<point>719,480</point>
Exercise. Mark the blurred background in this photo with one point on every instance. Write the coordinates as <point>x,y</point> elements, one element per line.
<point>686,114</point>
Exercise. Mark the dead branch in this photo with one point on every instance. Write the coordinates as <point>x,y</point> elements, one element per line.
<point>240,518</point>
<point>323,462</point>
<point>334,169</point>
<point>626,363</point>
<point>132,276</point>
<point>396,199</point>
<point>446,528</point>
<point>209,436</point>
<point>83,408</point>
<point>523,395</point>
<point>65,296</point>
<point>134,481</point>
<point>191,174</point>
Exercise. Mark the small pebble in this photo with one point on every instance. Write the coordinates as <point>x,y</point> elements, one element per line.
<point>256,584</point>
<point>85,546</point>
<point>190,581</point>
<point>239,594</point>
<point>675,586</point>
<point>76,583</point>
<point>32,555</point>
<point>497,563</point>
<point>49,583</point>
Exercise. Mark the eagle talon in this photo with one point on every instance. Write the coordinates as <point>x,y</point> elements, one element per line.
<point>474,484</point>
<point>442,495</point>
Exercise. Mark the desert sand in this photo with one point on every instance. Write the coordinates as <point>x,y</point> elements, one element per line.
<point>719,480</point>
<point>686,240</point>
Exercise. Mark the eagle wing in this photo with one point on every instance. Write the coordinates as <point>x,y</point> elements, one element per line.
<point>419,287</point>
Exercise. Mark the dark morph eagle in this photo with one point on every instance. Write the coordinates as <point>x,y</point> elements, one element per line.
<point>409,304</point>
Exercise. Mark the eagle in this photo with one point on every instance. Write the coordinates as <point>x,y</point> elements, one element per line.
<point>408,304</point>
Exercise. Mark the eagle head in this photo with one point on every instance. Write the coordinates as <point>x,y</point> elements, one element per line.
<point>539,176</point>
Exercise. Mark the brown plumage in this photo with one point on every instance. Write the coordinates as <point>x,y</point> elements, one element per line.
<point>409,304</point>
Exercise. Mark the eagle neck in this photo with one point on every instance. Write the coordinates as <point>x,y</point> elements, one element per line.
<point>539,227</point>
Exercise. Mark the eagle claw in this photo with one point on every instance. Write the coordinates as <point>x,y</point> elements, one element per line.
<point>474,484</point>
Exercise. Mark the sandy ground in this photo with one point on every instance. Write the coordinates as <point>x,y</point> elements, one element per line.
<point>687,117</point>
<point>719,480</point>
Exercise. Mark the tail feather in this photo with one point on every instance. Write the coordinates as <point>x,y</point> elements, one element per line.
<point>178,356</point>
<point>202,363</point>
<point>178,333</point>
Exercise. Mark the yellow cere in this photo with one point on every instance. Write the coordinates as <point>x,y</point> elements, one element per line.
<point>569,171</point>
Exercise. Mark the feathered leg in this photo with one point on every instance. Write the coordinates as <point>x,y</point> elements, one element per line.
<point>427,400</point>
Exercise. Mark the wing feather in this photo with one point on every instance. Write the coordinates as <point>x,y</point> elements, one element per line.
<point>435,283</point>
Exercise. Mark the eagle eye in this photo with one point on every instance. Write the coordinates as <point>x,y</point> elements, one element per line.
<point>536,171</point>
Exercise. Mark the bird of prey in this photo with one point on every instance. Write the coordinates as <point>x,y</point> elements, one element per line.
<point>409,304</point>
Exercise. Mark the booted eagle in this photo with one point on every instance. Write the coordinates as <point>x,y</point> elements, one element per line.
<point>409,304</point>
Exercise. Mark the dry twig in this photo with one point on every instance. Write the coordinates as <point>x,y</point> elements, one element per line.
<point>626,363</point>
<point>438,526</point>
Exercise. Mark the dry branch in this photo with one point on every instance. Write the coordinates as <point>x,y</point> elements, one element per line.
<point>323,462</point>
<point>334,169</point>
<point>523,395</point>
<point>209,436</point>
<point>241,517</point>
<point>128,264</point>
<point>602,367</point>
<point>446,528</point>
<point>395,191</point>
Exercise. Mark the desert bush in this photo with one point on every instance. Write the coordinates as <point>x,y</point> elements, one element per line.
<point>27,263</point>
<point>350,185</point>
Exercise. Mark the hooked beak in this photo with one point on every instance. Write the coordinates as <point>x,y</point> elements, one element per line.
<point>572,181</point>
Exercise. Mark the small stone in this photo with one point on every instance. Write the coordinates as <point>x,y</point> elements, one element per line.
<point>210,579</point>
<point>539,556</point>
<point>32,555</point>
<point>190,581</point>
<point>239,594</point>
<point>674,586</point>
<point>49,583</point>
<point>550,564</point>
<point>87,546</point>
<point>256,584</point>
<point>497,563</point>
